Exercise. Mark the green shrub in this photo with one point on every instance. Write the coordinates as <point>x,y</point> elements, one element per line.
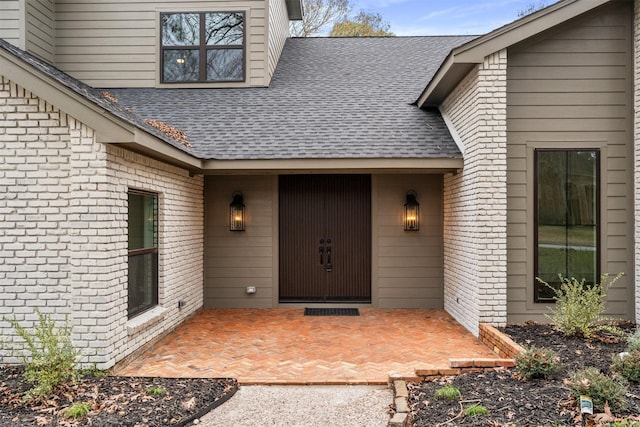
<point>579,307</point>
<point>77,410</point>
<point>448,392</point>
<point>475,411</point>
<point>628,365</point>
<point>633,341</point>
<point>51,357</point>
<point>156,391</point>
<point>601,388</point>
<point>536,362</point>
<point>622,423</point>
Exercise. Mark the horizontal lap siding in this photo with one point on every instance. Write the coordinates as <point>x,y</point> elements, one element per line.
<point>237,259</point>
<point>409,265</point>
<point>11,22</point>
<point>115,43</point>
<point>278,32</point>
<point>41,29</point>
<point>571,88</point>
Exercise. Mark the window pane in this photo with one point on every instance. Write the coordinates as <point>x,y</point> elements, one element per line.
<point>143,283</point>
<point>567,217</point>
<point>224,64</point>
<point>180,29</point>
<point>181,65</point>
<point>224,29</point>
<point>142,221</point>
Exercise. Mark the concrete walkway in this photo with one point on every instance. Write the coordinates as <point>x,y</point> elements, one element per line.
<point>284,347</point>
<point>303,406</point>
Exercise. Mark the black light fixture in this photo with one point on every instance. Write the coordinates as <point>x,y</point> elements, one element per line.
<point>411,212</point>
<point>236,213</point>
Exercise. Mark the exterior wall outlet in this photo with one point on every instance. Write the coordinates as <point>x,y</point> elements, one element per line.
<point>181,303</point>
<point>251,289</point>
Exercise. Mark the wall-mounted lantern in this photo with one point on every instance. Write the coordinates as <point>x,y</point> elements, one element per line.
<point>236,213</point>
<point>411,212</point>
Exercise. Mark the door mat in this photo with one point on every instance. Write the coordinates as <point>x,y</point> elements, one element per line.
<point>331,312</point>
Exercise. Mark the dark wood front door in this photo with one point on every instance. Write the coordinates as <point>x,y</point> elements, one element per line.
<point>325,238</point>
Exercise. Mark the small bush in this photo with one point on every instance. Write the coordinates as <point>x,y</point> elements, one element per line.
<point>601,388</point>
<point>579,307</point>
<point>633,341</point>
<point>536,362</point>
<point>51,357</point>
<point>475,411</point>
<point>156,391</point>
<point>77,410</point>
<point>628,365</point>
<point>448,392</point>
<point>622,423</point>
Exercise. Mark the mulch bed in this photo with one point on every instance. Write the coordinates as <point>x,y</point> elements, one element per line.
<point>512,401</point>
<point>115,401</point>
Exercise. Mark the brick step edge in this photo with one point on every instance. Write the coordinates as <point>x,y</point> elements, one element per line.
<point>500,343</point>
<point>401,416</point>
<point>429,373</point>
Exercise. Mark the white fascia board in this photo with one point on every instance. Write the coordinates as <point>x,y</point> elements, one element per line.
<point>276,166</point>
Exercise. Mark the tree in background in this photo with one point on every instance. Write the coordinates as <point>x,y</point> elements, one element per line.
<point>364,24</point>
<point>318,15</point>
<point>531,8</point>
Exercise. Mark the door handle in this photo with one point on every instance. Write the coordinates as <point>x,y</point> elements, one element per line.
<point>329,266</point>
<point>321,255</point>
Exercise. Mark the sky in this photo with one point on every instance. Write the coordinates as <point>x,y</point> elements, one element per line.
<point>448,17</point>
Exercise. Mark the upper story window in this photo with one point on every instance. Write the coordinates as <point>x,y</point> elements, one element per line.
<point>203,47</point>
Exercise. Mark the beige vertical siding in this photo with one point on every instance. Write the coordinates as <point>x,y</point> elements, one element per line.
<point>236,259</point>
<point>408,267</point>
<point>41,29</point>
<point>278,32</point>
<point>114,43</point>
<point>571,88</point>
<point>12,22</point>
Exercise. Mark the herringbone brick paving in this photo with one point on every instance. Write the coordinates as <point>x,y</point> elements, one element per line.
<point>282,346</point>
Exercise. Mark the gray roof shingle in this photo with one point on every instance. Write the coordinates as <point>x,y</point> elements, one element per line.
<point>329,98</point>
<point>93,95</point>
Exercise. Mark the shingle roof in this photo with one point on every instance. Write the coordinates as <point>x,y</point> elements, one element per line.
<point>329,98</point>
<point>93,95</point>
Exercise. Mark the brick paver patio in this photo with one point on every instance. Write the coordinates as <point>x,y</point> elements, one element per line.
<point>282,346</point>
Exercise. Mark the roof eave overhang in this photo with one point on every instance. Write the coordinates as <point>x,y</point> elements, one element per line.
<point>108,127</point>
<point>284,166</point>
<point>463,58</point>
<point>294,9</point>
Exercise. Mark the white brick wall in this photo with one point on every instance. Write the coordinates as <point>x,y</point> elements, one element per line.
<point>636,87</point>
<point>475,200</point>
<point>34,203</point>
<point>63,230</point>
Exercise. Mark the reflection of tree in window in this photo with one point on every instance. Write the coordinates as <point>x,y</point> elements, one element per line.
<point>202,47</point>
<point>224,29</point>
<point>567,216</point>
<point>180,29</point>
<point>181,65</point>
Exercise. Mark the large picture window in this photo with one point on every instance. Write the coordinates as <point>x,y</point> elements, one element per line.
<point>143,252</point>
<point>202,47</point>
<point>566,235</point>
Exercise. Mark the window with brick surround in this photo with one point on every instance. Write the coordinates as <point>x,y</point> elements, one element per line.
<point>202,47</point>
<point>567,217</point>
<point>143,252</point>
